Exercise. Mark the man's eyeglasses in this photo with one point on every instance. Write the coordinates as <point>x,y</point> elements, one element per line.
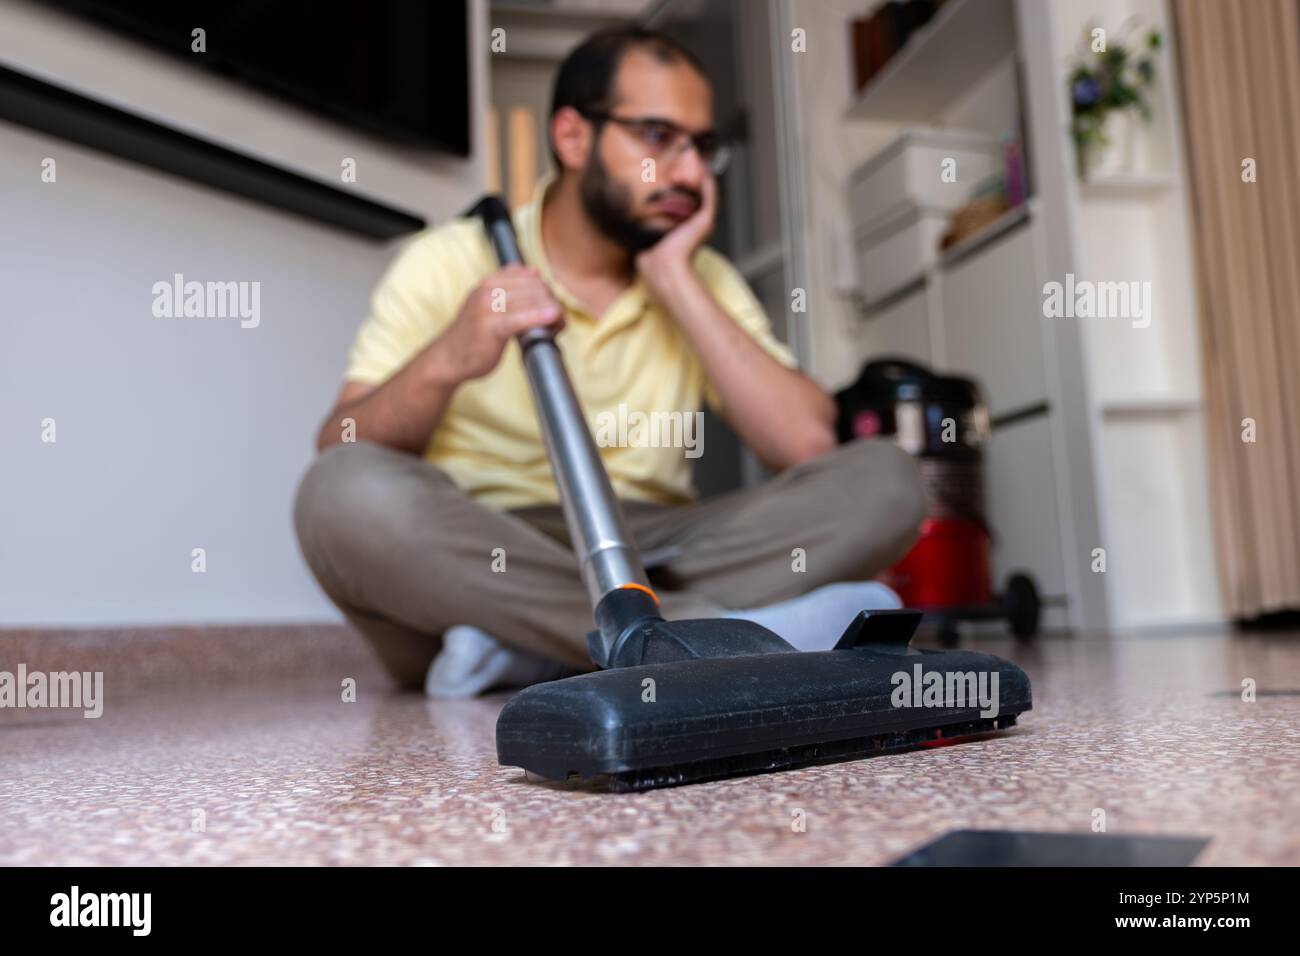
<point>664,140</point>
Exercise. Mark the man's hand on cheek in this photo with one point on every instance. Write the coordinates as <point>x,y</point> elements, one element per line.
<point>670,256</point>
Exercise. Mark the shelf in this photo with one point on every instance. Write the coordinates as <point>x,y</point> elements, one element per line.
<point>883,302</point>
<point>1144,405</point>
<point>939,62</point>
<point>956,254</point>
<point>993,231</point>
<point>1126,186</point>
<point>759,262</point>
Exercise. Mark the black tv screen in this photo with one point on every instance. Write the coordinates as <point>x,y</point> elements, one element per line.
<point>396,68</point>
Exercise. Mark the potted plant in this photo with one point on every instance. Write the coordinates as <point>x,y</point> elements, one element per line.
<point>1108,85</point>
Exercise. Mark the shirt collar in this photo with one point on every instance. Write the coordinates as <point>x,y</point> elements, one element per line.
<point>528,222</point>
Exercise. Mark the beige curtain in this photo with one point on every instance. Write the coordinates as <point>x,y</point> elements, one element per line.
<point>1240,63</point>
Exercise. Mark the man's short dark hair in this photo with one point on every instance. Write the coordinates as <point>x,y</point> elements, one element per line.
<point>586,77</point>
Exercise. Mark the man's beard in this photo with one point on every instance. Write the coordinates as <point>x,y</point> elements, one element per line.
<point>608,202</point>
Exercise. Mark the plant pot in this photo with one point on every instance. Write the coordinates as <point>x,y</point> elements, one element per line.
<point>1121,153</point>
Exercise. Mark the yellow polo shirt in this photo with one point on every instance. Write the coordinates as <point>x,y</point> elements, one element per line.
<point>489,440</point>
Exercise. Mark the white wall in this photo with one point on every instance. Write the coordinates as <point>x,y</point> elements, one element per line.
<point>182,433</point>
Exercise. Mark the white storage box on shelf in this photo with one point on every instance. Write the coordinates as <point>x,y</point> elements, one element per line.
<point>898,250</point>
<point>910,167</point>
<point>901,203</point>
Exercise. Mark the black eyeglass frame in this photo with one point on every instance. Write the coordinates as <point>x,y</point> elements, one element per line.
<point>712,149</point>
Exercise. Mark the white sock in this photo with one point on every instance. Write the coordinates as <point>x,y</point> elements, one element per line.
<point>472,662</point>
<point>815,621</point>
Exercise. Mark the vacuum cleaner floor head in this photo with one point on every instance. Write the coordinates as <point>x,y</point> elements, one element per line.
<point>687,721</point>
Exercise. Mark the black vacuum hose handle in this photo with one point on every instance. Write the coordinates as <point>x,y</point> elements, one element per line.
<point>501,231</point>
<point>496,220</point>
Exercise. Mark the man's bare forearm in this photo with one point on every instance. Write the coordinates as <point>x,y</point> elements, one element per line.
<point>403,412</point>
<point>782,415</point>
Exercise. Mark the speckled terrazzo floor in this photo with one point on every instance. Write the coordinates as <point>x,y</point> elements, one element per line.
<point>1151,730</point>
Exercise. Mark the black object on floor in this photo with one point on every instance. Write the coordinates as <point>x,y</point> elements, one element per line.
<point>707,716</point>
<point>1020,848</point>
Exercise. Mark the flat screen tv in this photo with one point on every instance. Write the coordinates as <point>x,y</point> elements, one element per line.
<point>396,68</point>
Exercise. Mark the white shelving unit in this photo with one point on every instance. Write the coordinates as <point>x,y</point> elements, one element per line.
<point>1145,394</point>
<point>1116,460</point>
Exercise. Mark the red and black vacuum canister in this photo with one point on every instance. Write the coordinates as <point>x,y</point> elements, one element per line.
<point>941,420</point>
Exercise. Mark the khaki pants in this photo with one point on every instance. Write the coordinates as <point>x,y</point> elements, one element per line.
<point>405,554</point>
